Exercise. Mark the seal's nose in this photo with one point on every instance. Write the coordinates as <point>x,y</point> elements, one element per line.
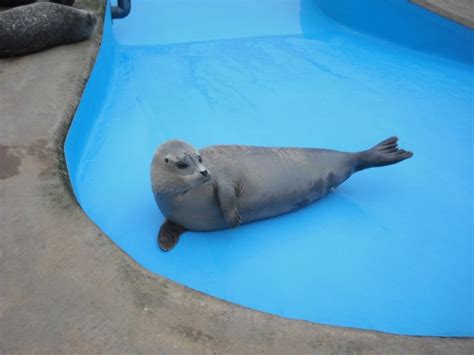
<point>204,173</point>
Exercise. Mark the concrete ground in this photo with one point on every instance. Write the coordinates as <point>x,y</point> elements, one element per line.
<point>66,288</point>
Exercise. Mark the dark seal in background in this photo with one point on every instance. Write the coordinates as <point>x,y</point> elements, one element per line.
<point>42,25</point>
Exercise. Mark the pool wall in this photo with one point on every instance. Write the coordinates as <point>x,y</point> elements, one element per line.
<point>95,92</point>
<point>420,29</point>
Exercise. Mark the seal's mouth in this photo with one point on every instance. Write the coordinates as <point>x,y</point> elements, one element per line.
<point>206,178</point>
<point>200,181</point>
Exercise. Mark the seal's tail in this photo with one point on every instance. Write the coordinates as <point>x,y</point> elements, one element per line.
<point>384,153</point>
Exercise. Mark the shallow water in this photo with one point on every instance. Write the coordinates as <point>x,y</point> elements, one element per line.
<point>391,249</point>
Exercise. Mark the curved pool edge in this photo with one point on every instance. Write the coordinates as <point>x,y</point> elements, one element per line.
<point>437,34</point>
<point>454,13</point>
<point>69,288</point>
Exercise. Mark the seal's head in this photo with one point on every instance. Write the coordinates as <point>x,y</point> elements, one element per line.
<point>176,168</point>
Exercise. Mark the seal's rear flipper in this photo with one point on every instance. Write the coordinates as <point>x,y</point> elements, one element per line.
<point>384,153</point>
<point>169,235</point>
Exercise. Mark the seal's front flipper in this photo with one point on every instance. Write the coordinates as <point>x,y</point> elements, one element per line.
<point>229,204</point>
<point>169,235</point>
<point>384,153</point>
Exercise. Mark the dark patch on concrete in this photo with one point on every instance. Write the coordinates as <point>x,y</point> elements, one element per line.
<point>39,150</point>
<point>9,163</point>
<point>59,142</point>
<point>51,186</point>
<point>51,174</point>
<point>57,197</point>
<point>192,334</point>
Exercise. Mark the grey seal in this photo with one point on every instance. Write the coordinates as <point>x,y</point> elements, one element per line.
<point>32,28</point>
<point>224,186</point>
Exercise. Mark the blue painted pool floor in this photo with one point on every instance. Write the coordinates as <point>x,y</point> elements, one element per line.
<point>390,250</point>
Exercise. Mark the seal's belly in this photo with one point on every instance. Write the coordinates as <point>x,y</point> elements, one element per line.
<point>265,203</point>
<point>289,187</point>
<point>196,210</point>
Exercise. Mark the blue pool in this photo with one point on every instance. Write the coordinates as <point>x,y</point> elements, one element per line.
<point>392,248</point>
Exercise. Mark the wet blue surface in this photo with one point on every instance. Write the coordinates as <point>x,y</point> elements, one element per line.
<point>391,249</point>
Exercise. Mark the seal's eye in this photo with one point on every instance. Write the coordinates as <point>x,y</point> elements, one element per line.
<point>200,159</point>
<point>166,160</point>
<point>181,165</point>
